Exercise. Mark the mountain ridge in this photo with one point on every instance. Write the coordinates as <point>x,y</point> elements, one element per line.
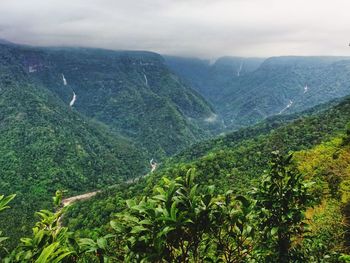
<point>276,85</point>
<point>121,89</point>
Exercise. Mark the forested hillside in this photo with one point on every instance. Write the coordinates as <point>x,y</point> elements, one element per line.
<point>133,93</point>
<point>80,120</point>
<point>232,162</point>
<point>46,145</point>
<point>229,196</point>
<point>278,85</point>
<point>208,78</point>
<point>220,200</point>
<point>174,131</point>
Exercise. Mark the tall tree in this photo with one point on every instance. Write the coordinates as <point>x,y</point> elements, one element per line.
<point>281,202</point>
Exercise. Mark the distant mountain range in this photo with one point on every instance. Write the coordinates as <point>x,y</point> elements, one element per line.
<point>131,92</point>
<point>81,119</point>
<point>244,91</point>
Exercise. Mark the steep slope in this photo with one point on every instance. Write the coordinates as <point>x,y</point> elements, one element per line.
<point>240,157</point>
<point>283,85</point>
<point>45,145</point>
<point>209,78</point>
<point>132,92</point>
<point>326,164</point>
<point>234,161</point>
<point>248,91</point>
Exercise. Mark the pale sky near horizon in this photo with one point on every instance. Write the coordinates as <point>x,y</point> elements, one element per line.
<point>203,28</point>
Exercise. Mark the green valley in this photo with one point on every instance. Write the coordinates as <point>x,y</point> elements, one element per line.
<point>265,87</point>
<point>88,121</point>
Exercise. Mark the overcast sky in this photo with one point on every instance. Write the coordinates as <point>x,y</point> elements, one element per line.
<point>206,28</point>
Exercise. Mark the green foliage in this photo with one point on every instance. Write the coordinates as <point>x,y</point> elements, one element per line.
<point>264,87</point>
<point>344,258</point>
<point>96,250</point>
<point>133,93</point>
<point>187,222</point>
<point>180,224</point>
<point>3,205</point>
<point>281,202</point>
<point>325,233</point>
<point>46,146</point>
<point>57,199</point>
<point>116,126</point>
<point>50,242</point>
<point>234,231</point>
<point>346,139</point>
<point>236,161</point>
<point>5,200</point>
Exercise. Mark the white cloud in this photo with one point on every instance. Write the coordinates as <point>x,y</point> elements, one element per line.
<point>208,28</point>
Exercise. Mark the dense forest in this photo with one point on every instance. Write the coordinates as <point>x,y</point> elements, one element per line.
<point>45,146</point>
<point>262,194</point>
<point>165,145</point>
<point>48,143</point>
<point>290,216</point>
<point>247,90</point>
<point>133,93</point>
<point>232,161</point>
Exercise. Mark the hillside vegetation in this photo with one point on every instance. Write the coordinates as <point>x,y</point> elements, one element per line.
<point>236,162</point>
<point>76,120</point>
<point>294,214</point>
<point>277,85</point>
<point>133,93</point>
<point>45,145</point>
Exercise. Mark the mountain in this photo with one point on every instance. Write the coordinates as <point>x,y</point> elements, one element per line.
<point>231,162</point>
<point>277,85</point>
<point>320,145</point>
<point>133,93</point>
<point>84,119</point>
<point>80,119</point>
<point>285,84</point>
<point>5,42</point>
<point>45,145</point>
<point>319,140</point>
<point>208,78</point>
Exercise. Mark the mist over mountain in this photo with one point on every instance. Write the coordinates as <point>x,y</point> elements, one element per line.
<point>174,131</point>
<point>116,124</point>
<point>132,92</point>
<point>245,91</point>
